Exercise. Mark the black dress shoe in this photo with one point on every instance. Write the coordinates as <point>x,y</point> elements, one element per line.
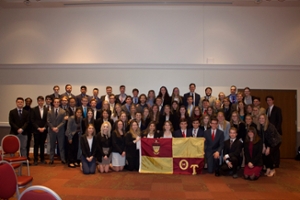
<point>44,162</point>
<point>217,173</point>
<point>35,163</point>
<point>63,162</point>
<point>51,162</point>
<point>235,176</point>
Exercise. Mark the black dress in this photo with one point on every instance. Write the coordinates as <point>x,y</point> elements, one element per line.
<point>132,153</point>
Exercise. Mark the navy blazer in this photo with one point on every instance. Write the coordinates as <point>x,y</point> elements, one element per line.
<point>200,132</point>
<point>197,98</point>
<point>211,146</point>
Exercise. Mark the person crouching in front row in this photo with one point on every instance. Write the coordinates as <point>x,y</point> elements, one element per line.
<point>89,146</point>
<point>232,149</point>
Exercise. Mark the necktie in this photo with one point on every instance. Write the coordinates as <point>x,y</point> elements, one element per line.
<point>231,142</point>
<point>213,135</point>
<point>20,114</point>
<point>84,112</point>
<point>269,112</point>
<point>194,134</point>
<point>56,112</point>
<point>233,99</point>
<point>183,134</point>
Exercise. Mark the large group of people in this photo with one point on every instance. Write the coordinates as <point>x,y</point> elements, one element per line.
<point>103,133</point>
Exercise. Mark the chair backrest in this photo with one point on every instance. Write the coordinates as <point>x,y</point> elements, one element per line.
<point>10,144</point>
<point>37,192</point>
<point>8,183</point>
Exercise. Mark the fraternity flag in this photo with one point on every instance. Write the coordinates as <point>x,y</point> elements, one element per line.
<point>172,155</point>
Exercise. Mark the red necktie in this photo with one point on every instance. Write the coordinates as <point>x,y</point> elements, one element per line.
<point>183,134</point>
<point>213,135</point>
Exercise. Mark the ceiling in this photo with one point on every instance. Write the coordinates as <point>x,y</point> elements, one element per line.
<point>78,3</point>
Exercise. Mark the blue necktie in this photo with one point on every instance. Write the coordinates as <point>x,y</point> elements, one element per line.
<point>84,112</point>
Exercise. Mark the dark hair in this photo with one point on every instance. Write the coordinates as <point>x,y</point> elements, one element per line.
<point>122,86</point>
<point>68,85</point>
<point>72,98</point>
<point>108,87</point>
<point>19,98</point>
<point>96,89</point>
<point>258,98</point>
<point>247,88</point>
<point>256,137</point>
<point>195,119</point>
<point>49,97</point>
<point>192,84</point>
<point>40,98</point>
<point>28,98</point>
<point>182,120</point>
<point>208,88</point>
<point>83,87</point>
<point>269,97</point>
<point>135,90</point>
<point>55,86</point>
<point>215,119</point>
<point>205,100</point>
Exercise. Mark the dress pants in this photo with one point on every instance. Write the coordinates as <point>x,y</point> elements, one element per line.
<point>73,149</point>
<point>60,137</point>
<point>23,143</point>
<point>224,168</point>
<point>213,164</point>
<point>39,142</point>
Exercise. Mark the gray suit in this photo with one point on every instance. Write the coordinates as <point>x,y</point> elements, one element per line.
<point>59,122</point>
<point>211,146</point>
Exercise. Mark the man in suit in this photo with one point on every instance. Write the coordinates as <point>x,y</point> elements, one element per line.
<point>195,131</point>
<point>112,100</point>
<point>190,106</point>
<point>214,143</point>
<point>126,107</point>
<point>27,107</point>
<point>56,121</point>
<point>98,100</point>
<point>18,121</point>
<point>248,99</point>
<point>68,92</point>
<point>211,99</point>
<point>275,117</point>
<point>196,97</point>
<point>135,96</point>
<point>108,92</point>
<point>182,132</point>
<point>159,103</point>
<point>256,103</point>
<point>120,98</point>
<point>48,101</point>
<point>84,106</point>
<point>83,90</point>
<point>55,92</point>
<point>205,104</point>
<point>72,106</point>
<point>97,113</point>
<point>39,121</point>
<point>232,150</point>
<point>232,96</point>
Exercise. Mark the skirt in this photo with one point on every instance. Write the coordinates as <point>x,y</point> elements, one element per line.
<point>118,160</point>
<point>250,171</point>
<point>106,162</point>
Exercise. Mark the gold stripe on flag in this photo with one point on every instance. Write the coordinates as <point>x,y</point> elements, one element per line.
<point>188,147</point>
<point>156,165</point>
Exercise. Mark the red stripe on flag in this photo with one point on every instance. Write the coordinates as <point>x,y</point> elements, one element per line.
<point>160,147</point>
<point>188,165</point>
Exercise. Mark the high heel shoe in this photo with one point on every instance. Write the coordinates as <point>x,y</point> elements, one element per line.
<point>272,173</point>
<point>267,172</point>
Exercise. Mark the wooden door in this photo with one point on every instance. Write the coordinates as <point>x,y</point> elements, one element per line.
<point>287,101</point>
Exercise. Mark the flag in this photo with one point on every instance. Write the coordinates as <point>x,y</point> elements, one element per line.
<point>172,155</point>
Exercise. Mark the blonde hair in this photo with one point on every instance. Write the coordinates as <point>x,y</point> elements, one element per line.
<point>265,125</point>
<point>102,128</point>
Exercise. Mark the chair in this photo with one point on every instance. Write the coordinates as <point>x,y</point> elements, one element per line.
<point>22,181</point>
<point>38,192</point>
<point>8,183</point>
<point>10,147</point>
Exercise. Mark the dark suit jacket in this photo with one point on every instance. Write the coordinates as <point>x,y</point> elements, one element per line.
<point>256,158</point>
<point>197,98</point>
<point>65,94</point>
<point>162,120</point>
<point>78,99</point>
<point>276,118</point>
<point>124,108</point>
<point>86,152</point>
<point>211,146</point>
<point>200,132</point>
<point>37,121</point>
<point>235,150</point>
<point>178,133</point>
<point>56,121</point>
<point>15,122</point>
<point>102,98</point>
<point>118,99</point>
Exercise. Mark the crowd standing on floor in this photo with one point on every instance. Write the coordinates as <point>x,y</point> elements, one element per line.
<point>103,133</point>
